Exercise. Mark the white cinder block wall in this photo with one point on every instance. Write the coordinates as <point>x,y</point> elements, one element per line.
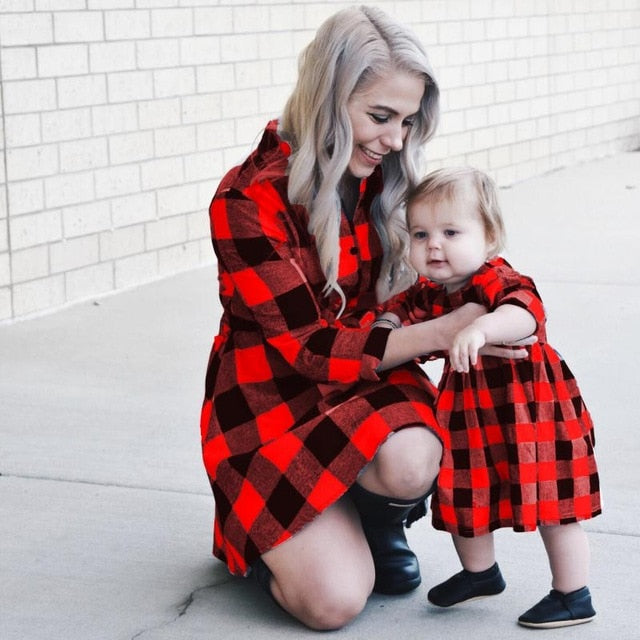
<point>118,117</point>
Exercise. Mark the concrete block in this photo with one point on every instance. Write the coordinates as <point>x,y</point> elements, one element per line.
<point>177,200</point>
<point>201,108</point>
<point>29,264</point>
<point>24,163</point>
<point>127,86</point>
<point>159,113</point>
<point>79,155</point>
<point>63,60</point>
<point>158,53</point>
<point>200,50</point>
<point>165,232</point>
<point>25,197</point>
<point>235,48</point>
<point>203,165</point>
<point>164,172</point>
<point>18,63</point>
<point>67,189</point>
<point>22,130</point>
<point>66,124</point>
<point>86,219</point>
<point>213,20</point>
<point>88,282</point>
<point>127,25</point>
<point>18,29</point>
<point>175,141</point>
<point>112,56</point>
<point>133,209</point>
<point>78,26</point>
<point>167,23</point>
<point>38,295</point>
<point>118,243</point>
<point>239,103</point>
<point>29,96</point>
<point>73,253</point>
<point>117,181</point>
<point>81,91</point>
<point>178,258</point>
<point>253,74</point>
<point>174,82</point>
<point>214,78</point>
<point>131,147</point>
<point>135,270</point>
<point>117,118</point>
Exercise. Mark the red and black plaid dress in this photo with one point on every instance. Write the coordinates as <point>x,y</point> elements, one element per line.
<point>520,447</point>
<point>293,407</point>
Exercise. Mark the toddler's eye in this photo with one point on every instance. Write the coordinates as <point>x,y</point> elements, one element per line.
<point>450,233</point>
<point>419,235</point>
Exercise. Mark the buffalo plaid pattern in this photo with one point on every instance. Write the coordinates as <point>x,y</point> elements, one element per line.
<point>520,451</point>
<point>293,406</point>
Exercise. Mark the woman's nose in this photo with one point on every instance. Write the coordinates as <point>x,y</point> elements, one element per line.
<point>394,137</point>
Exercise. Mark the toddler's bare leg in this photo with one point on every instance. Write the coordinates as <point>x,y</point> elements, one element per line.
<point>476,554</point>
<point>568,550</point>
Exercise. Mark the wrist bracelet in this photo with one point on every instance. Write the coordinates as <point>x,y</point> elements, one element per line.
<point>391,323</point>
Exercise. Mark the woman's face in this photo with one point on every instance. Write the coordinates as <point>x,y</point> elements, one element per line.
<point>381,116</point>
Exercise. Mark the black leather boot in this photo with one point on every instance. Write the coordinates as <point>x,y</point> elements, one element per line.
<point>383,519</point>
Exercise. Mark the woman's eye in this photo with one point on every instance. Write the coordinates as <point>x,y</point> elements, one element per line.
<point>380,119</point>
<point>409,122</point>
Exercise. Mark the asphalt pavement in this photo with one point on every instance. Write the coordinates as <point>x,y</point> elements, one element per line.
<point>105,509</point>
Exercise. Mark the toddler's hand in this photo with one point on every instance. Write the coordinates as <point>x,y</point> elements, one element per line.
<point>465,348</point>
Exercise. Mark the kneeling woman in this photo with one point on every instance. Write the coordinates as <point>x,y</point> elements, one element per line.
<point>303,388</point>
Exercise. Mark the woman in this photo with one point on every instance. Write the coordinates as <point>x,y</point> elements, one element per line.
<point>303,389</point>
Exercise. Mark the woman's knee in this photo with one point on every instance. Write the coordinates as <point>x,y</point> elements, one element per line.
<point>330,607</point>
<point>406,465</point>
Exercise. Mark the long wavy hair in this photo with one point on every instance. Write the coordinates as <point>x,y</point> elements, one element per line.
<point>351,50</point>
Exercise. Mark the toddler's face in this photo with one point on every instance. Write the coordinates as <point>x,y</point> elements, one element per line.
<point>448,242</point>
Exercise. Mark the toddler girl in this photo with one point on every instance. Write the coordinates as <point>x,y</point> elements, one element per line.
<point>520,450</point>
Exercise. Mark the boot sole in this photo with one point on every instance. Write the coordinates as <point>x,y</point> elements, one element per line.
<point>555,625</point>
<point>404,587</point>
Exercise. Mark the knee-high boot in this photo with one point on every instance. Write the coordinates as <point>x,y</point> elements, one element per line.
<point>383,520</point>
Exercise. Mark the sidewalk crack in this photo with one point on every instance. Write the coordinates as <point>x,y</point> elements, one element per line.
<point>183,608</point>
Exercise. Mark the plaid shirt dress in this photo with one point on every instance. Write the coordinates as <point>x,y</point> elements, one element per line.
<point>293,407</point>
<point>519,451</point>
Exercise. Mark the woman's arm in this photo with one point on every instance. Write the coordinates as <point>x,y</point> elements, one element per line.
<point>413,341</point>
<point>507,324</point>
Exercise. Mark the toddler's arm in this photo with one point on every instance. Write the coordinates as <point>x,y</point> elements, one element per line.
<point>508,323</point>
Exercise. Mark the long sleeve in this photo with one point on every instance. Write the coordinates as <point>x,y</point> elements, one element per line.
<point>268,272</point>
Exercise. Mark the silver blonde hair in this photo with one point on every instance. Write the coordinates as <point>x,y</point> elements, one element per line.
<point>351,50</point>
<point>453,182</point>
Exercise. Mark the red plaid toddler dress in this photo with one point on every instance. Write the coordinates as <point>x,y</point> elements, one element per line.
<point>293,407</point>
<point>520,447</point>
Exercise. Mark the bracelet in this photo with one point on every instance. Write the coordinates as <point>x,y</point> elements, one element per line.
<point>391,323</point>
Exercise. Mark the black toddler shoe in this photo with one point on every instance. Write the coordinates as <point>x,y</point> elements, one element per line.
<point>560,610</point>
<point>468,585</point>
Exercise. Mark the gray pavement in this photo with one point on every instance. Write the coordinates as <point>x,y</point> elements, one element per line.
<point>105,511</point>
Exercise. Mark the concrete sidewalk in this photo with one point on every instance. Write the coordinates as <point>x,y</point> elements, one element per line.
<point>105,510</point>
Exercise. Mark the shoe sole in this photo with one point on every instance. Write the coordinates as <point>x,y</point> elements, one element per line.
<point>554,625</point>
<point>453,604</point>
